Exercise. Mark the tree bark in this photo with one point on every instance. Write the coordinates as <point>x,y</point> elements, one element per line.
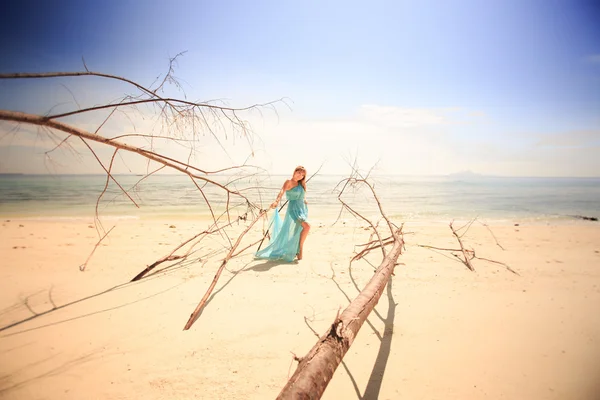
<point>317,368</point>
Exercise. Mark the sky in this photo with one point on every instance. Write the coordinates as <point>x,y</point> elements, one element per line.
<point>497,87</point>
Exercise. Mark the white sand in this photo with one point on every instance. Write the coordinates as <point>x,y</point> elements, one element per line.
<point>456,334</point>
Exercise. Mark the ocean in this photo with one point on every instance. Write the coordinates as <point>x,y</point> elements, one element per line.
<point>404,198</point>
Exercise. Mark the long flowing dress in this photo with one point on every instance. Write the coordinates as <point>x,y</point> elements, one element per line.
<point>285,236</point>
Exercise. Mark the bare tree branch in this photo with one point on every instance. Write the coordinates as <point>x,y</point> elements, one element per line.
<point>468,254</point>
<point>83,266</point>
<point>492,233</point>
<point>467,259</point>
<point>316,368</point>
<point>16,116</point>
<point>196,313</point>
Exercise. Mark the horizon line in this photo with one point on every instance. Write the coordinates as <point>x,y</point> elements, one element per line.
<point>458,175</point>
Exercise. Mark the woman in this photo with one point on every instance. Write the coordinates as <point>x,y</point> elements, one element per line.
<point>287,238</point>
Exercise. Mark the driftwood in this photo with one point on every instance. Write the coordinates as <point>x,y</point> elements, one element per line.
<point>467,259</point>
<point>196,313</point>
<point>84,265</point>
<point>173,257</point>
<point>468,254</point>
<point>492,233</point>
<point>372,245</point>
<point>316,368</point>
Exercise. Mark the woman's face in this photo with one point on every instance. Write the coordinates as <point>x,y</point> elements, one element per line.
<point>299,175</point>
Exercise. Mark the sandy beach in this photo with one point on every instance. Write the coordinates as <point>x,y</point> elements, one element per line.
<point>164,119</point>
<point>440,331</point>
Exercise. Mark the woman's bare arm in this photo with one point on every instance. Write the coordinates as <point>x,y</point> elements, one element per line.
<point>280,195</point>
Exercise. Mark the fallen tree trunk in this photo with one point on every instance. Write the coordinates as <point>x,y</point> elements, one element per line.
<point>317,368</point>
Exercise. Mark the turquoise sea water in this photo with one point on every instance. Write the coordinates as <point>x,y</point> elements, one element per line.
<point>403,198</point>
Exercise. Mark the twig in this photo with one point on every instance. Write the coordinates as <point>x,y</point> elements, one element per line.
<point>438,248</point>
<point>492,233</point>
<point>84,265</point>
<point>172,257</point>
<point>467,225</point>
<point>362,253</point>
<point>466,260</point>
<point>468,254</point>
<point>501,263</point>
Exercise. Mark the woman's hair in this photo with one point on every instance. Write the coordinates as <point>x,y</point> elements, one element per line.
<point>303,180</point>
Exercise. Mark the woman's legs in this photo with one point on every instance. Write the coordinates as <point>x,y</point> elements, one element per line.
<point>303,234</point>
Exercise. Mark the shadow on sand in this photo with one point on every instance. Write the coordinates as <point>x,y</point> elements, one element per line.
<point>374,386</point>
<point>376,378</point>
<point>267,265</point>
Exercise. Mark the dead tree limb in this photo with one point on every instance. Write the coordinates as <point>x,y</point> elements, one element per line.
<point>172,257</point>
<point>492,233</point>
<point>438,248</point>
<point>359,255</point>
<point>83,266</point>
<point>345,205</point>
<point>468,254</point>
<point>317,368</point>
<point>33,119</point>
<point>497,262</point>
<point>97,222</point>
<point>153,93</point>
<point>181,118</point>
<point>466,260</point>
<point>198,310</point>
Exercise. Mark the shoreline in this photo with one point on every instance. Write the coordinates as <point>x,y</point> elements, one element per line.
<point>510,201</point>
<point>319,219</point>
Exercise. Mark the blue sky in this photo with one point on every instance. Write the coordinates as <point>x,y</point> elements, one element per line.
<point>507,87</point>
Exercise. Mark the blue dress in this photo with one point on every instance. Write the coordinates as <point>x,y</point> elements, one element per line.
<point>285,236</point>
